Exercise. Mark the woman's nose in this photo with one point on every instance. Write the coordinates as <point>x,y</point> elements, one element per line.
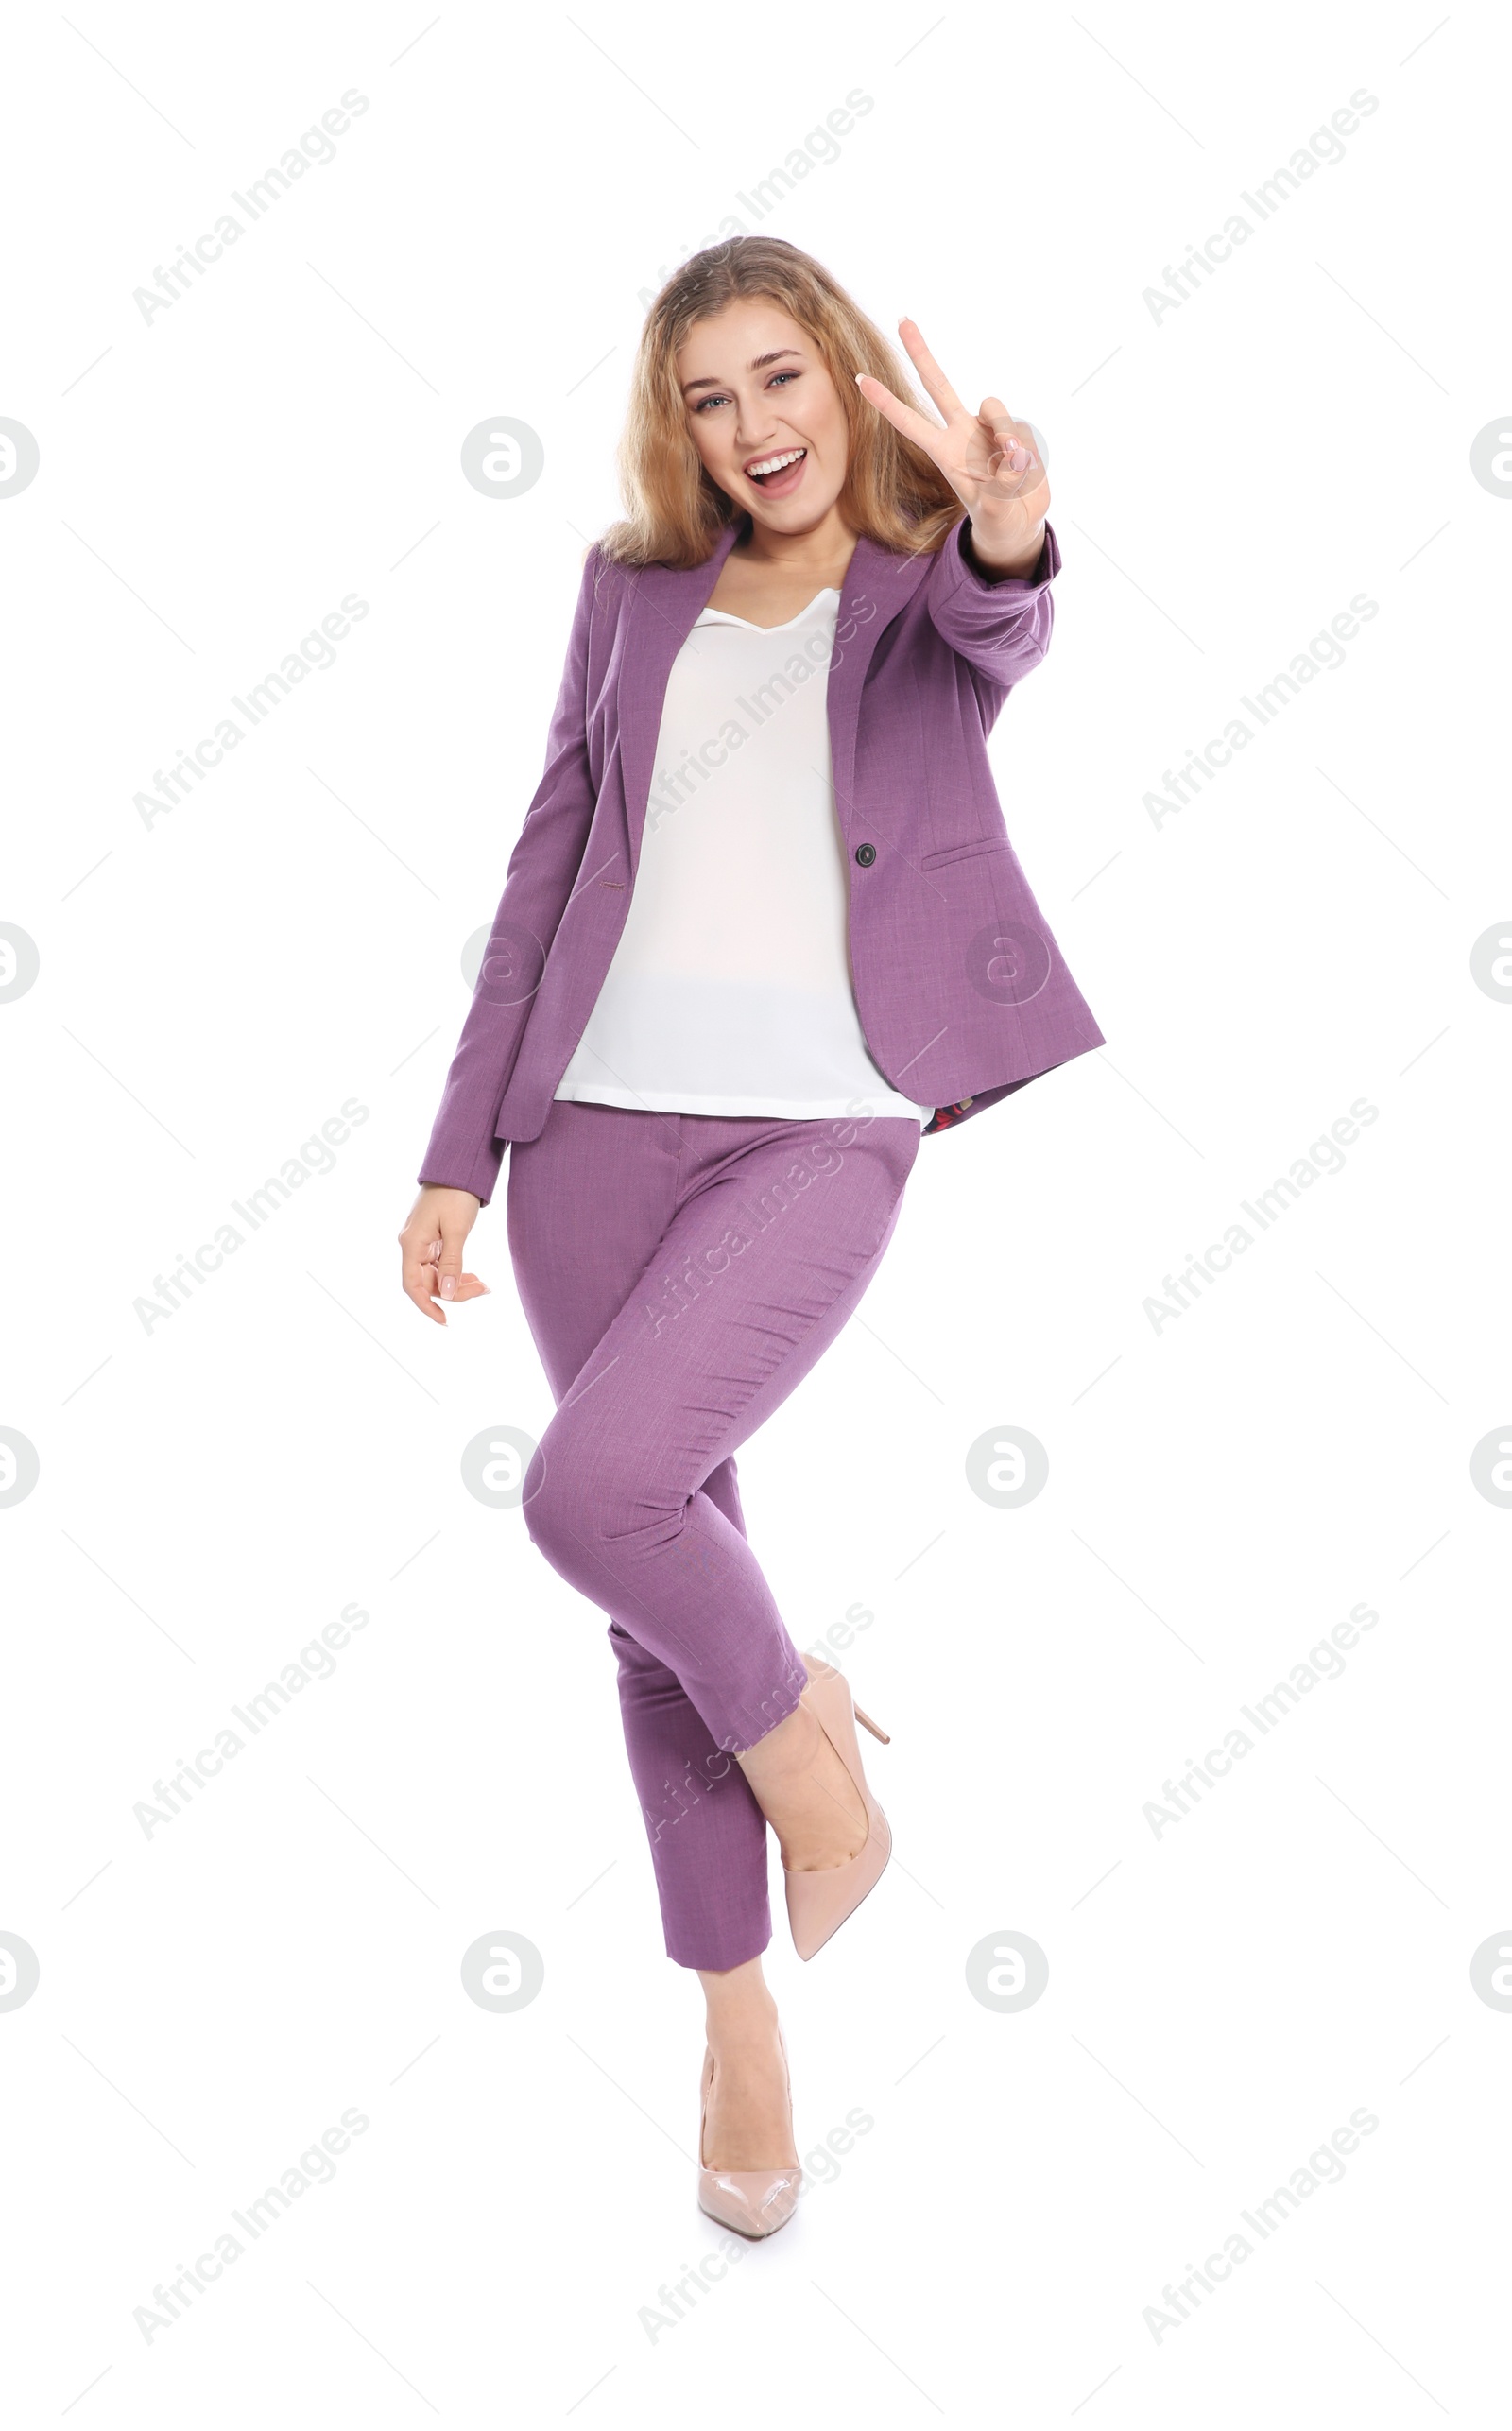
<point>754,426</point>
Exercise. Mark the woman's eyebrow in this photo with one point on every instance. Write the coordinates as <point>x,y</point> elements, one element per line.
<point>759,365</point>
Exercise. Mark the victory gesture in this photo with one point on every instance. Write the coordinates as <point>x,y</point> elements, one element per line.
<point>988,459</point>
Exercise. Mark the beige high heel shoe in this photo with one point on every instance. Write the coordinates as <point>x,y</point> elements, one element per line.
<point>753,2203</point>
<point>819,1904</point>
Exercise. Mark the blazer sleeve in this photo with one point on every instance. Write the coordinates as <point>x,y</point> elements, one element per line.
<point>1001,628</point>
<point>463,1153</point>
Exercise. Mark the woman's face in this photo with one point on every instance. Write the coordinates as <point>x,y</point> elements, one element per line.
<point>756,389</point>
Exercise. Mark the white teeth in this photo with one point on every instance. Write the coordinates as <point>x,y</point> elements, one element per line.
<point>775,463</point>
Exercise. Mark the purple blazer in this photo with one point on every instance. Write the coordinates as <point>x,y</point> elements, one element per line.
<point>962,991</point>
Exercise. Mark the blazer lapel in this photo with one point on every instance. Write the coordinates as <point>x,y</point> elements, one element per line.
<point>878,585</point>
<point>666,603</point>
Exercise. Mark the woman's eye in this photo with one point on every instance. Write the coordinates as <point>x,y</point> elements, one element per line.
<point>779,379</point>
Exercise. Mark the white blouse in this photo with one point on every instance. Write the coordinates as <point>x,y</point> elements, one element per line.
<point>729,990</point>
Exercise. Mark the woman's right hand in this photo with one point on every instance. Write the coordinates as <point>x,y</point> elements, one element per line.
<point>433,1241</point>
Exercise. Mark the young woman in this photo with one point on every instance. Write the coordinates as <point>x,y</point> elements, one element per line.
<point>762,929</point>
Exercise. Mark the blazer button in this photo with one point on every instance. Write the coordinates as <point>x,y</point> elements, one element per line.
<point>866,854</point>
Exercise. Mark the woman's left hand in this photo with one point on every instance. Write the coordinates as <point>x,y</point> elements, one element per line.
<point>990,461</point>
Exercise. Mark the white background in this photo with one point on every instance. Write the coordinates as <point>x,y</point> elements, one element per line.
<point>1221,1492</point>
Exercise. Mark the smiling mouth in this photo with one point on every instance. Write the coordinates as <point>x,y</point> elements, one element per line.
<point>771,469</point>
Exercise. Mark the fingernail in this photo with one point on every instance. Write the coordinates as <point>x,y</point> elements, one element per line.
<point>448,1286</point>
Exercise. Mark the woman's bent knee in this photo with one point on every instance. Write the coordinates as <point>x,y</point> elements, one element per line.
<point>577,1499</point>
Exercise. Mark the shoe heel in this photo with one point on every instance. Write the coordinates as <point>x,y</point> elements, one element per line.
<point>875,1728</point>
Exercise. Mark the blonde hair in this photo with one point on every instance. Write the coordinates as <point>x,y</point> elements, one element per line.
<point>892,491</point>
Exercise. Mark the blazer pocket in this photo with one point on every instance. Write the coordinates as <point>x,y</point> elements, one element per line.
<point>962,852</point>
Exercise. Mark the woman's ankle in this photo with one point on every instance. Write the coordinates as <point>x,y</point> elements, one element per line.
<point>785,1752</point>
<point>738,2007</point>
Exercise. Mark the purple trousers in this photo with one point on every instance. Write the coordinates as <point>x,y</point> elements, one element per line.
<point>680,1273</point>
